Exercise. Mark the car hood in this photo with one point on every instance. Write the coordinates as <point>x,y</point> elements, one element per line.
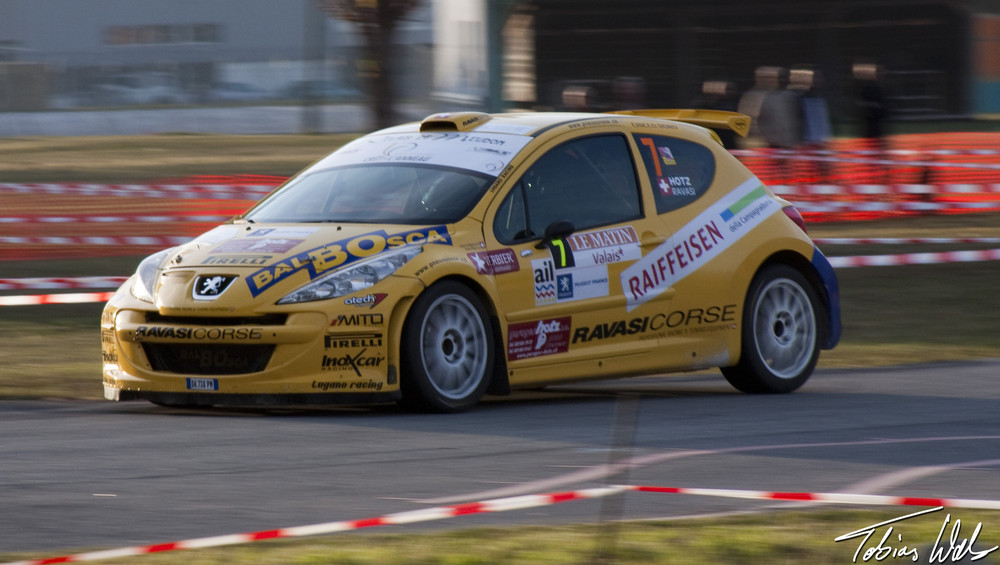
<point>235,265</point>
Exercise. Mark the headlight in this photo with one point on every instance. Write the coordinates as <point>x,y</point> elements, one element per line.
<point>144,282</point>
<point>354,278</point>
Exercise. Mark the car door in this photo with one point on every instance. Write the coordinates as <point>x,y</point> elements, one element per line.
<point>704,308</point>
<point>557,242</point>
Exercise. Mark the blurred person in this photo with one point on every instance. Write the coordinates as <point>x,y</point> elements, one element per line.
<point>873,108</point>
<point>816,128</point>
<point>780,114</point>
<point>719,95</point>
<point>870,101</point>
<point>629,93</point>
<point>580,98</point>
<point>750,103</point>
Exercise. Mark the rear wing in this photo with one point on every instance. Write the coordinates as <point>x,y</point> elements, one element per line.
<point>712,119</point>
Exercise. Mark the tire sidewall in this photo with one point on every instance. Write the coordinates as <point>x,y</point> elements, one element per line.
<point>417,386</point>
<point>765,379</point>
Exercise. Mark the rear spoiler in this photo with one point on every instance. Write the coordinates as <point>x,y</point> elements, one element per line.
<point>712,119</point>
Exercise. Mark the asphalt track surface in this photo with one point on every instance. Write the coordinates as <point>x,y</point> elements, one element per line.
<point>101,475</point>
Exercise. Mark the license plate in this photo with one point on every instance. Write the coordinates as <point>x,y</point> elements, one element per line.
<point>203,384</point>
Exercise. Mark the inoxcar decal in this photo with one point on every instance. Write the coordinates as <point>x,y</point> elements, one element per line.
<point>320,260</point>
<point>698,242</point>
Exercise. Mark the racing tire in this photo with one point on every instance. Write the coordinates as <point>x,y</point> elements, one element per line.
<point>780,333</point>
<point>447,351</point>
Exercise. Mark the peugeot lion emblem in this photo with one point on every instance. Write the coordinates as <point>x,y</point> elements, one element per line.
<point>209,287</point>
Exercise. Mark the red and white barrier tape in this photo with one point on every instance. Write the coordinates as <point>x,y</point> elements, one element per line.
<point>901,240</point>
<point>837,262</point>
<point>835,498</point>
<point>61,282</point>
<point>505,505</point>
<point>883,189</point>
<point>400,518</point>
<point>915,259</point>
<point>161,241</point>
<point>871,157</point>
<point>206,191</point>
<point>108,219</point>
<point>36,299</point>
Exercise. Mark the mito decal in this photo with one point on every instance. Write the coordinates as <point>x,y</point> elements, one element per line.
<point>698,242</point>
<point>358,320</point>
<point>534,339</point>
<point>319,260</point>
<point>495,262</point>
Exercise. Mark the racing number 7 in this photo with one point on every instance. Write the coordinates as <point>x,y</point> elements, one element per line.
<point>562,252</point>
<point>648,142</point>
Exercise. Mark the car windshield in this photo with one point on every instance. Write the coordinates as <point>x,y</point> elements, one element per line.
<point>386,193</point>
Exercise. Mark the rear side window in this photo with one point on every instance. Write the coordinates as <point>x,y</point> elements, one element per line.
<point>679,170</point>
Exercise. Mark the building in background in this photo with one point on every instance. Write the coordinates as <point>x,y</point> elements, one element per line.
<point>939,58</point>
<point>118,52</point>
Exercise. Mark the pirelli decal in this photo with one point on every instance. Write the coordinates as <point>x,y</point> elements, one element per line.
<point>698,242</point>
<point>322,259</point>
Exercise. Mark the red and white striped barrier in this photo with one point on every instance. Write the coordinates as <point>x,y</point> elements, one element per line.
<point>901,240</point>
<point>161,241</point>
<point>505,505</point>
<point>37,299</point>
<point>833,498</point>
<point>182,191</point>
<point>883,189</point>
<point>61,282</point>
<point>30,219</point>
<point>915,259</point>
<point>866,157</point>
<point>400,518</point>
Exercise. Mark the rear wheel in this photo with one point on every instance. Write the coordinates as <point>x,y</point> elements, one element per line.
<point>780,334</point>
<point>447,349</point>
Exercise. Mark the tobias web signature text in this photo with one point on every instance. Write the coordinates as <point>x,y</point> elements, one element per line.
<point>946,549</point>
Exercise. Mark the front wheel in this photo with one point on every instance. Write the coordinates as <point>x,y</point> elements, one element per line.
<point>447,349</point>
<point>780,333</point>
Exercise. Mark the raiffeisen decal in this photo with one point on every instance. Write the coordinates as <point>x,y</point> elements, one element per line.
<point>698,242</point>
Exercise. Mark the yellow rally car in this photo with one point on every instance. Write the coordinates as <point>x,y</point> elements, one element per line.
<point>469,253</point>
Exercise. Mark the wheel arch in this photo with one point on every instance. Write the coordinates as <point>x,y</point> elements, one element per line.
<point>828,327</point>
<point>499,383</point>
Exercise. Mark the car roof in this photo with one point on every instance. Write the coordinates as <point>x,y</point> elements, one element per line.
<point>534,123</point>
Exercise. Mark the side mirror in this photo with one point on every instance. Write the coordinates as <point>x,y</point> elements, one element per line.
<point>556,230</point>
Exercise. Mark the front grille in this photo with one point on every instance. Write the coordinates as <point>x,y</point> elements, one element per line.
<point>208,359</point>
<point>264,320</point>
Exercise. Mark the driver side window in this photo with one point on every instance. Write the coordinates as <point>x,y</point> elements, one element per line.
<point>588,182</point>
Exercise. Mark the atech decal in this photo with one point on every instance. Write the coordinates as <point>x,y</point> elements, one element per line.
<point>319,260</point>
<point>698,242</point>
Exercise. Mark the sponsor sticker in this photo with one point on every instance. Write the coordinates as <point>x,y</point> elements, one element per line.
<point>698,242</point>
<point>495,262</point>
<point>553,285</point>
<point>257,245</point>
<point>534,339</point>
<point>319,260</point>
<point>482,152</point>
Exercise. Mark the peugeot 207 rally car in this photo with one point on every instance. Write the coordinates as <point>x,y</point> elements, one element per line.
<point>433,262</point>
